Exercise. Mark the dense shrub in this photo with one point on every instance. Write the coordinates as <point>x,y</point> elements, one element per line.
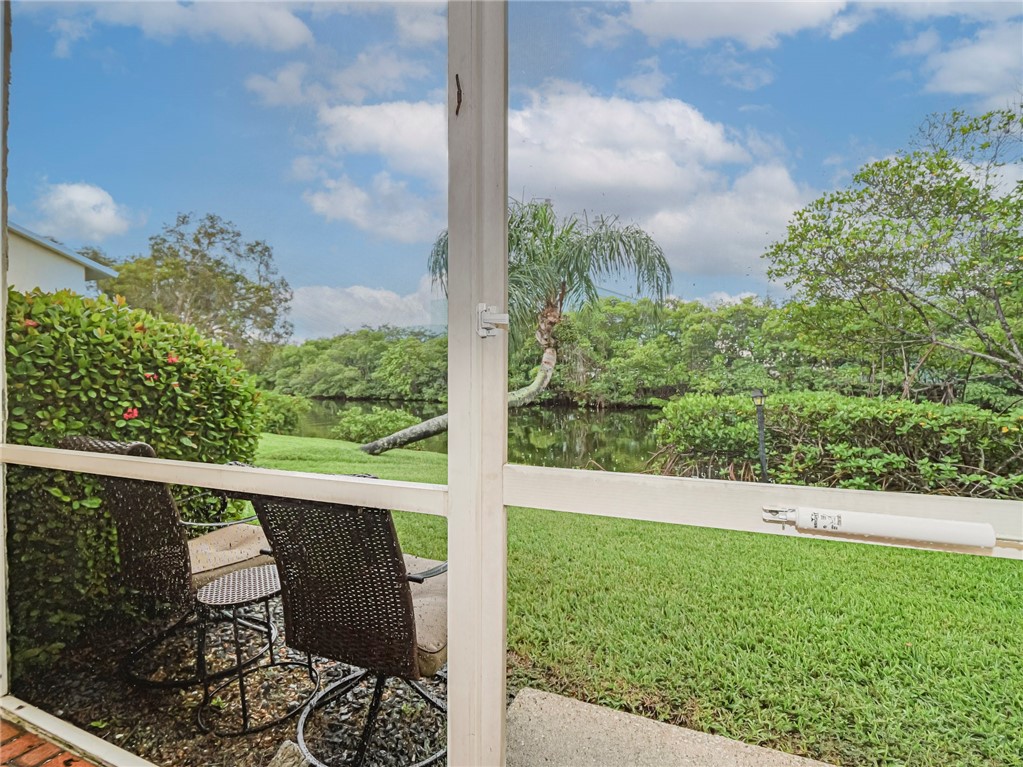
<point>355,425</point>
<point>282,412</point>
<point>93,366</point>
<point>823,439</point>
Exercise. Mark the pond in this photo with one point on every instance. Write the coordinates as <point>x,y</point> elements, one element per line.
<point>565,437</point>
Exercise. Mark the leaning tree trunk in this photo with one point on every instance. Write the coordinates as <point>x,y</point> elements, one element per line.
<point>439,425</point>
<point>527,394</point>
<point>407,436</point>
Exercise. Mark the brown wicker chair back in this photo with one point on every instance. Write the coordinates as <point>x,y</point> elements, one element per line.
<point>343,583</point>
<point>151,543</point>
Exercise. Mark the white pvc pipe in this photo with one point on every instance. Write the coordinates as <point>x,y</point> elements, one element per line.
<point>812,520</point>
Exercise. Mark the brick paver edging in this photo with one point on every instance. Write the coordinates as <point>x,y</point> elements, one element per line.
<point>20,748</point>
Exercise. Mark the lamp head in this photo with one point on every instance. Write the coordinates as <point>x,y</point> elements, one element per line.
<point>758,397</point>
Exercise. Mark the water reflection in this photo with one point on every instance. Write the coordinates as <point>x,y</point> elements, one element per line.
<point>613,440</point>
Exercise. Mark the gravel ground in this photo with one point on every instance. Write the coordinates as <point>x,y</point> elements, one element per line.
<point>86,689</point>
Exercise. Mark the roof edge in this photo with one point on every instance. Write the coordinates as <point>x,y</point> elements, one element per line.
<point>93,269</point>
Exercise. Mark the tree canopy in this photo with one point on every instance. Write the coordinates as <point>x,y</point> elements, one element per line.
<point>923,249</point>
<point>200,271</point>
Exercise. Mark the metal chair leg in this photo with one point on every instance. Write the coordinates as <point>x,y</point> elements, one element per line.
<point>437,704</point>
<point>131,659</point>
<point>241,671</point>
<point>244,667</point>
<point>343,686</point>
<point>196,674</point>
<point>339,688</point>
<point>200,649</point>
<point>427,695</point>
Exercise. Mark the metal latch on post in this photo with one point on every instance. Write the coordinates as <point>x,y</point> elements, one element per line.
<point>488,321</point>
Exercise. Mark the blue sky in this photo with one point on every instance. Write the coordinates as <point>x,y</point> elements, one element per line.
<point>319,127</point>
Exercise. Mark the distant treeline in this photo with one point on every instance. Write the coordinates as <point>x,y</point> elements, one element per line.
<point>623,353</point>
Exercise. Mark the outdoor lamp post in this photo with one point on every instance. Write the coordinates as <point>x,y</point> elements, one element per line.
<point>758,397</point>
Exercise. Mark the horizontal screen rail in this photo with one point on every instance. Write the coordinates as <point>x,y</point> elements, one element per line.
<point>334,488</point>
<point>739,505</point>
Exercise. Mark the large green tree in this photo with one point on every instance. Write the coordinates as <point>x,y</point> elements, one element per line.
<point>201,272</point>
<point>925,248</point>
<point>553,264</point>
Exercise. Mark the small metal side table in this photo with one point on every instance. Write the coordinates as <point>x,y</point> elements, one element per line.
<point>238,589</point>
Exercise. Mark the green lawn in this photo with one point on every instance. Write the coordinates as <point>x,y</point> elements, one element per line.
<point>858,655</point>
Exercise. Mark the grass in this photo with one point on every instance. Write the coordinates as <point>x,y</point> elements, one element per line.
<point>857,655</point>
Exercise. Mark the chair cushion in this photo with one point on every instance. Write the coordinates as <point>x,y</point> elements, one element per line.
<point>226,549</point>
<point>430,604</point>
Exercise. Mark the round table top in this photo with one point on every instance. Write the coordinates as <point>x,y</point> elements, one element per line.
<point>241,587</point>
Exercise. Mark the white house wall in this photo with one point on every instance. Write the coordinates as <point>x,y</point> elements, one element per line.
<point>33,266</point>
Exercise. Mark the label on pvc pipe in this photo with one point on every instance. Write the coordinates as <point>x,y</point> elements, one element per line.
<point>921,529</point>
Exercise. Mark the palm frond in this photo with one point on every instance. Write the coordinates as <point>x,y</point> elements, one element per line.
<point>437,262</point>
<point>556,263</point>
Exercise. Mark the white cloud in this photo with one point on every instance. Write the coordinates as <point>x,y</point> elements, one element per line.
<point>764,146</point>
<point>68,31</point>
<point>306,168</point>
<point>727,65</point>
<point>421,23</point>
<point>969,11</point>
<point>1009,178</point>
<point>926,42</point>
<point>377,71</point>
<point>409,138</point>
<point>659,163</point>
<point>578,148</point>
<point>756,25</point>
<point>849,22</point>
<point>599,28</point>
<point>988,66</point>
<point>80,211</point>
<point>721,298</point>
<point>285,88</point>
<point>264,25</point>
<point>713,197</point>
<point>725,231</point>
<point>319,310</point>
<point>412,136</point>
<point>387,208</point>
<point>648,82</point>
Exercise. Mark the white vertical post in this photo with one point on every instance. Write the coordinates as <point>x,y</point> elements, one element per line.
<point>477,381</point>
<point>5,79</point>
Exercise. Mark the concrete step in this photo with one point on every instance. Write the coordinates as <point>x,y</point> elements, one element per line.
<point>546,730</point>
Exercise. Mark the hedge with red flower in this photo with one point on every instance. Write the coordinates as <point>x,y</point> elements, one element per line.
<point>95,366</point>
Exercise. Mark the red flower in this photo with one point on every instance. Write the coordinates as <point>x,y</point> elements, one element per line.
<point>171,359</point>
<point>31,324</point>
<point>151,376</point>
<point>132,412</point>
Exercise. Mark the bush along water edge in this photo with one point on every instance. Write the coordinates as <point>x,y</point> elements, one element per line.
<point>829,440</point>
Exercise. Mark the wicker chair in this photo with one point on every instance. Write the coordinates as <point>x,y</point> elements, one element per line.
<point>351,596</point>
<point>156,558</point>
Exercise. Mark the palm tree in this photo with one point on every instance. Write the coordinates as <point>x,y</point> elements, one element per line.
<point>553,265</point>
